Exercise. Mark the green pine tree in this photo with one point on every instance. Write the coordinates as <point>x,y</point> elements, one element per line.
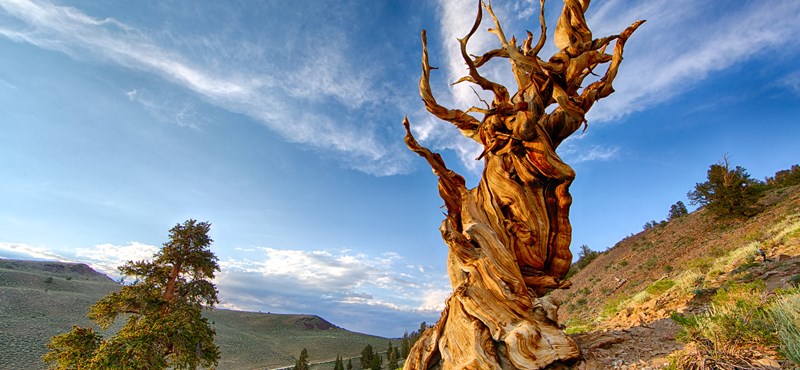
<point>677,210</point>
<point>405,345</point>
<point>728,192</point>
<point>338,365</point>
<point>349,364</point>
<point>391,357</point>
<point>302,362</point>
<point>164,325</point>
<point>377,362</point>
<point>366,357</point>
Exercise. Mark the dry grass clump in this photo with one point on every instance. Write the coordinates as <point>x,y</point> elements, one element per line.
<point>786,316</point>
<point>734,259</point>
<point>739,329</point>
<point>689,280</point>
<point>641,297</point>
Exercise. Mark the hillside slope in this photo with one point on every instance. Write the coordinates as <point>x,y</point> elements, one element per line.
<point>41,299</point>
<point>622,300</point>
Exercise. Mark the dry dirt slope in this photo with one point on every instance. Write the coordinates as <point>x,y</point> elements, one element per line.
<point>631,328</point>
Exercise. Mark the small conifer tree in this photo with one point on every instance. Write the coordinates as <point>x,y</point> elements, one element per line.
<point>338,365</point>
<point>366,357</point>
<point>391,357</point>
<point>677,210</point>
<point>164,325</point>
<point>302,362</point>
<point>727,192</point>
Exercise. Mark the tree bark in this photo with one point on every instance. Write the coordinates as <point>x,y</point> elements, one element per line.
<point>509,237</point>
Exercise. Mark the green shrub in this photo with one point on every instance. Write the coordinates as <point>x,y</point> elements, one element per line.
<point>623,263</point>
<point>650,263</point>
<point>585,256</point>
<point>49,280</point>
<point>577,326</point>
<point>785,178</point>
<point>612,307</point>
<point>701,264</point>
<point>659,287</point>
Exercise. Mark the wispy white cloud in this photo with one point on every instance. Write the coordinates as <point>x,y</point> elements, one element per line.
<point>181,112</point>
<point>107,257</point>
<point>338,286</point>
<point>574,151</point>
<point>685,41</point>
<point>285,105</point>
<point>24,251</point>
<point>792,81</point>
<point>596,153</point>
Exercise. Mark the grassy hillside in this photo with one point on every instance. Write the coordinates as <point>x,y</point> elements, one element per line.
<point>634,304</point>
<point>664,252</point>
<point>42,299</point>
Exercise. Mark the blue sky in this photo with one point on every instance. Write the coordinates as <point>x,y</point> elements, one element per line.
<point>279,122</point>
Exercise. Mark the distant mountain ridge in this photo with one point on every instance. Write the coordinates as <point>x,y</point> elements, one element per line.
<point>39,299</point>
<point>55,267</point>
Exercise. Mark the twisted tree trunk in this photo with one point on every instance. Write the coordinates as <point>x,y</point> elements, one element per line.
<point>509,237</point>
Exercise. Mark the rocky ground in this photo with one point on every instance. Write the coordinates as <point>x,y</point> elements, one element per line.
<point>644,337</point>
<point>623,328</point>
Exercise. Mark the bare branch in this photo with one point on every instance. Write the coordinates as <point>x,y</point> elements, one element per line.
<point>451,185</point>
<point>543,35</point>
<point>603,87</point>
<point>522,65</point>
<point>500,92</point>
<point>481,60</point>
<point>466,123</point>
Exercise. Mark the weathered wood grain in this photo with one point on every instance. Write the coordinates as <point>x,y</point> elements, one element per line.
<point>509,237</point>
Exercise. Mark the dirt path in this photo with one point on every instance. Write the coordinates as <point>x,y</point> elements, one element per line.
<point>638,347</point>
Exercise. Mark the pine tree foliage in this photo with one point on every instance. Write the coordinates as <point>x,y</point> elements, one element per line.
<point>677,210</point>
<point>377,362</point>
<point>392,357</point>
<point>727,192</point>
<point>349,364</point>
<point>163,309</point>
<point>366,357</point>
<point>408,340</point>
<point>338,365</point>
<point>585,256</point>
<point>70,350</point>
<point>784,178</point>
<point>302,362</point>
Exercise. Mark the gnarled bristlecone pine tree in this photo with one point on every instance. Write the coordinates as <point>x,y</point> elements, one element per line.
<point>509,237</point>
